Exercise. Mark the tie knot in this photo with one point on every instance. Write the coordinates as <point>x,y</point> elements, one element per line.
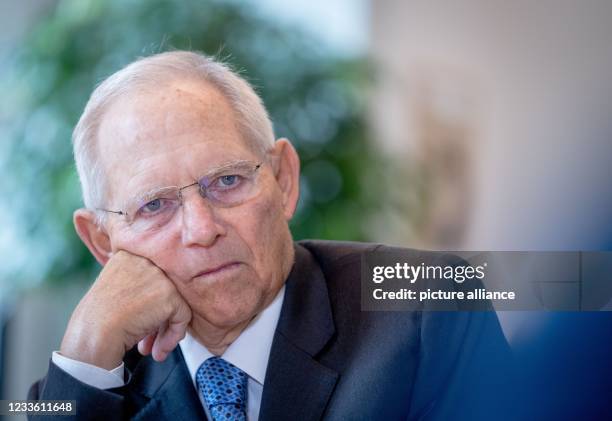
<point>224,388</point>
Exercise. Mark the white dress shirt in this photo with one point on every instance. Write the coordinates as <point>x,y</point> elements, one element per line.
<point>249,352</point>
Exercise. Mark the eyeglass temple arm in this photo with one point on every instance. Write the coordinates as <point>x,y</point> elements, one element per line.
<point>112,211</point>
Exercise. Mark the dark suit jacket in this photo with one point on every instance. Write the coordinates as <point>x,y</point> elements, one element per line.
<point>330,360</point>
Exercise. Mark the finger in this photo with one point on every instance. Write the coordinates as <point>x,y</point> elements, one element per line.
<point>161,346</point>
<point>171,333</point>
<point>167,339</point>
<point>146,344</point>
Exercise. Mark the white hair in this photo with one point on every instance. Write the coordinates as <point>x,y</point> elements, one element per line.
<point>149,73</point>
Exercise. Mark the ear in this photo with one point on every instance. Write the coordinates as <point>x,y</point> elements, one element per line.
<point>287,173</point>
<point>92,234</point>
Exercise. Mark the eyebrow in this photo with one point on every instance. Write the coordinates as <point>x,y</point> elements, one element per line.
<point>227,165</point>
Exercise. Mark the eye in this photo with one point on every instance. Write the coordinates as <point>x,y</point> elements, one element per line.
<point>228,180</point>
<point>156,207</point>
<point>152,206</point>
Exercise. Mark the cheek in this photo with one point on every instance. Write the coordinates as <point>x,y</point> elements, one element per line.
<point>267,236</point>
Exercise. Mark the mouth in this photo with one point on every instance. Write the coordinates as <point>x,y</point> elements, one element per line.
<point>217,270</point>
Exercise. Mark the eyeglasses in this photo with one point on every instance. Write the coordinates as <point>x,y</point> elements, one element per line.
<point>225,186</point>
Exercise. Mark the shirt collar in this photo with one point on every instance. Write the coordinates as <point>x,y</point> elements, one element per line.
<point>249,352</point>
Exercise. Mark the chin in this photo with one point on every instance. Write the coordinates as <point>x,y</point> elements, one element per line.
<point>230,306</point>
<point>227,318</point>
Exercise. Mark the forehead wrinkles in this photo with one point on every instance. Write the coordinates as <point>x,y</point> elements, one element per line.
<point>173,111</point>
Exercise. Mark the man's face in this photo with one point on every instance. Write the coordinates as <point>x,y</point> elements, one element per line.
<point>171,138</point>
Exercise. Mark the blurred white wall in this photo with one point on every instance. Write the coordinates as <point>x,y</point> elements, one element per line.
<point>527,87</point>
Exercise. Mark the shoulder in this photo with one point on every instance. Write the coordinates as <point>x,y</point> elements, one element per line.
<point>334,256</point>
<point>339,265</point>
<point>328,253</point>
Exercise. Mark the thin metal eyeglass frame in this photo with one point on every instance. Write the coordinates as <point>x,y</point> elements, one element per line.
<point>202,189</point>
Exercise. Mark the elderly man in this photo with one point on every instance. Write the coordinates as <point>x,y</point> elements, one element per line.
<point>205,306</point>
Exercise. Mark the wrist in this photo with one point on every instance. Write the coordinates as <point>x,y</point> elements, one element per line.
<point>91,345</point>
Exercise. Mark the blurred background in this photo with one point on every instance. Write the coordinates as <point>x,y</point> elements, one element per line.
<point>455,125</point>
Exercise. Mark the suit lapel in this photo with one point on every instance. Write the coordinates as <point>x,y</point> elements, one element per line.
<point>297,386</point>
<point>171,392</point>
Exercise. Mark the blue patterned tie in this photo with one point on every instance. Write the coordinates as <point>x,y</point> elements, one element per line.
<point>224,388</point>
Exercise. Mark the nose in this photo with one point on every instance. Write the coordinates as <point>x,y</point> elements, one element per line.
<point>200,224</point>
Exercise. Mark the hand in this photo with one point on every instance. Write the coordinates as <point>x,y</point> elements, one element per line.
<point>132,301</point>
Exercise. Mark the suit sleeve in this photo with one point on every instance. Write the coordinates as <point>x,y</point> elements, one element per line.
<point>91,403</point>
<point>466,368</point>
